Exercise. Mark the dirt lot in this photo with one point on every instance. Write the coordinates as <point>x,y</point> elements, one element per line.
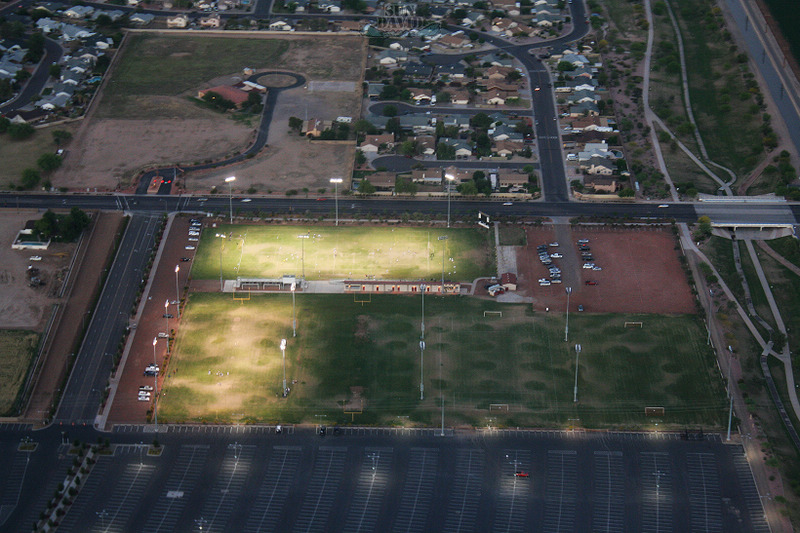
<point>641,271</point>
<point>108,152</point>
<point>23,306</point>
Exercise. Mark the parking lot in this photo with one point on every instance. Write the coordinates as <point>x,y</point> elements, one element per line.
<point>492,481</point>
<point>616,270</point>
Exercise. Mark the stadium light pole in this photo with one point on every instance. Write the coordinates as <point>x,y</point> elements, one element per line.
<point>449,178</point>
<point>336,182</point>
<point>443,238</point>
<point>229,180</point>
<point>283,352</point>
<point>566,328</point>
<point>303,252</point>
<point>294,312</point>
<point>575,390</point>
<point>155,387</point>
<point>422,347</point>
<point>221,236</point>
<point>177,290</point>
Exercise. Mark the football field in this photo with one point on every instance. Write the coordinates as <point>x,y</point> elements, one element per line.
<point>360,363</point>
<point>353,252</point>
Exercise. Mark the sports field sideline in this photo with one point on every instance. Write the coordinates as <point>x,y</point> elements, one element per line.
<point>328,252</point>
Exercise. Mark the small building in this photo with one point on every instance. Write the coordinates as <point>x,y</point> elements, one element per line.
<point>509,281</point>
<point>235,95</point>
<point>372,286</point>
<point>178,21</point>
<point>373,143</point>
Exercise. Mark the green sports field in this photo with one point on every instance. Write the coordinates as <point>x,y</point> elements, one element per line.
<point>365,357</point>
<point>331,252</point>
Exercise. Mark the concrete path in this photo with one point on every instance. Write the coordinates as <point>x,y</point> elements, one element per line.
<point>778,257</point>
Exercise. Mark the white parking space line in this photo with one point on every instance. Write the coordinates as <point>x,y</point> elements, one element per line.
<point>465,491</point>
<point>12,484</point>
<point>749,492</point>
<point>609,492</point>
<point>265,511</point>
<point>705,500</point>
<point>376,464</point>
<point>223,496</point>
<point>560,491</point>
<point>178,488</point>
<point>86,497</point>
<point>657,496</point>
<point>322,488</point>
<point>415,503</point>
<point>129,490</point>
<point>513,492</point>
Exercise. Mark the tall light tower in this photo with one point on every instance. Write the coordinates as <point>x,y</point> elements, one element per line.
<point>155,386</point>
<point>422,347</point>
<point>336,182</point>
<point>294,312</point>
<point>575,390</point>
<point>443,238</point>
<point>303,251</point>
<point>566,328</point>
<point>283,353</point>
<point>229,180</point>
<point>178,291</point>
<point>220,236</point>
<point>449,178</point>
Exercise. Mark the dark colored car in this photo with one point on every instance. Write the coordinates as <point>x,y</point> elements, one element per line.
<point>591,282</point>
<point>184,259</point>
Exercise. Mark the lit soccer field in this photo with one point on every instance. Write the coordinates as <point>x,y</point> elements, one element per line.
<point>515,369</point>
<point>327,252</point>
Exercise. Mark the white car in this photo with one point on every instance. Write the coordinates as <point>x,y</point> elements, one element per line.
<point>556,256</point>
<point>545,283</point>
<point>146,388</point>
<point>508,203</point>
<point>190,247</point>
<point>144,399</point>
<point>162,335</point>
<point>554,244</point>
<point>193,239</point>
<point>588,265</point>
<point>663,206</point>
<point>35,258</point>
<point>596,268</point>
<point>245,200</point>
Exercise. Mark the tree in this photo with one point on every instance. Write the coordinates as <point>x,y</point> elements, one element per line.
<point>61,136</point>
<point>12,30</point>
<point>389,92</point>
<point>446,152</point>
<point>480,120</point>
<point>295,123</point>
<point>405,186</point>
<point>443,97</point>
<point>513,76</point>
<point>390,110</point>
<point>408,148</point>
<point>703,227</point>
<point>364,126</point>
<point>393,125</point>
<point>565,66</point>
<point>20,132</point>
<point>47,225</point>
<point>253,100</point>
<point>468,188</point>
<point>5,123</point>
<point>35,47</point>
<point>103,21</point>
<point>30,178</point>
<point>360,158</point>
<point>49,162</point>
<point>54,70</point>
<point>365,187</point>
<point>102,63</point>
<point>6,91</point>
<point>627,192</point>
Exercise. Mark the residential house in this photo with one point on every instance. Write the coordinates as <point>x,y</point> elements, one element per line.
<point>513,180</point>
<point>114,14</point>
<point>506,148</point>
<point>497,73</point>
<point>457,175</point>
<point>496,60</point>
<point>210,21</point>
<point>427,176</point>
<point>178,21</point>
<point>581,97</point>
<point>426,144</point>
<point>78,12</point>
<point>382,181</point>
<point>600,166</point>
<point>545,20</point>
<point>472,18</point>
<point>70,32</point>
<point>141,19</point>
<point>417,123</point>
<point>390,58</point>
<point>584,109</point>
<point>459,121</point>
<point>350,25</point>
<point>511,7</point>
<point>463,149</point>
<point>71,78</point>
<point>228,92</point>
<point>579,60</point>
<point>47,25</point>
<point>329,6</point>
<point>280,25</point>
<point>505,132</point>
<point>374,90</point>
<point>594,149</point>
<point>458,97</point>
<point>421,96</point>
<point>373,143</point>
<point>418,71</point>
<point>454,71</point>
<point>439,12</point>
<point>53,101</point>
<point>601,183</point>
<point>313,127</point>
<point>455,41</point>
<point>504,26</point>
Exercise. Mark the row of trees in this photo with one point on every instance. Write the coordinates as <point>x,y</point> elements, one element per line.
<point>62,228</point>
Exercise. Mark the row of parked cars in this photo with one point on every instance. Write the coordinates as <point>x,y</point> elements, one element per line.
<point>194,233</point>
<point>547,260</point>
<point>588,258</point>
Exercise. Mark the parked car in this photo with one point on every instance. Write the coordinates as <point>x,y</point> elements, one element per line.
<point>162,335</point>
<point>185,259</point>
<point>146,387</point>
<point>190,247</point>
<point>591,282</point>
<point>554,244</point>
<point>556,256</point>
<point>580,308</point>
<point>597,268</point>
<point>583,241</point>
<point>588,265</point>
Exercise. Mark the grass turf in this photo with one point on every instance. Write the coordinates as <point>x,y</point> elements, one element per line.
<point>17,349</point>
<point>228,367</point>
<point>342,252</point>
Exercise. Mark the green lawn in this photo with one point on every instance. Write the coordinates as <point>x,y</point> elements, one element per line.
<point>17,349</point>
<point>228,367</point>
<point>342,252</point>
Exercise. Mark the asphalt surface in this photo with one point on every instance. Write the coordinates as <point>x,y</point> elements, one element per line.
<point>35,84</point>
<point>83,394</point>
<point>249,479</point>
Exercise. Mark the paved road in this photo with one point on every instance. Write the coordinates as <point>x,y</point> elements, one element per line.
<point>83,394</point>
<point>35,83</point>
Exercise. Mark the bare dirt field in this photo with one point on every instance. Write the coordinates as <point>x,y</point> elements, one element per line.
<point>111,148</point>
<point>641,272</point>
<point>23,306</point>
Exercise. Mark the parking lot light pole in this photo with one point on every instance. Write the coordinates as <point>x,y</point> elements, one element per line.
<point>422,347</point>
<point>449,178</point>
<point>155,387</point>
<point>229,181</point>
<point>566,328</point>
<point>294,311</point>
<point>575,391</point>
<point>166,317</point>
<point>283,353</point>
<point>336,182</point>
<point>177,291</point>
